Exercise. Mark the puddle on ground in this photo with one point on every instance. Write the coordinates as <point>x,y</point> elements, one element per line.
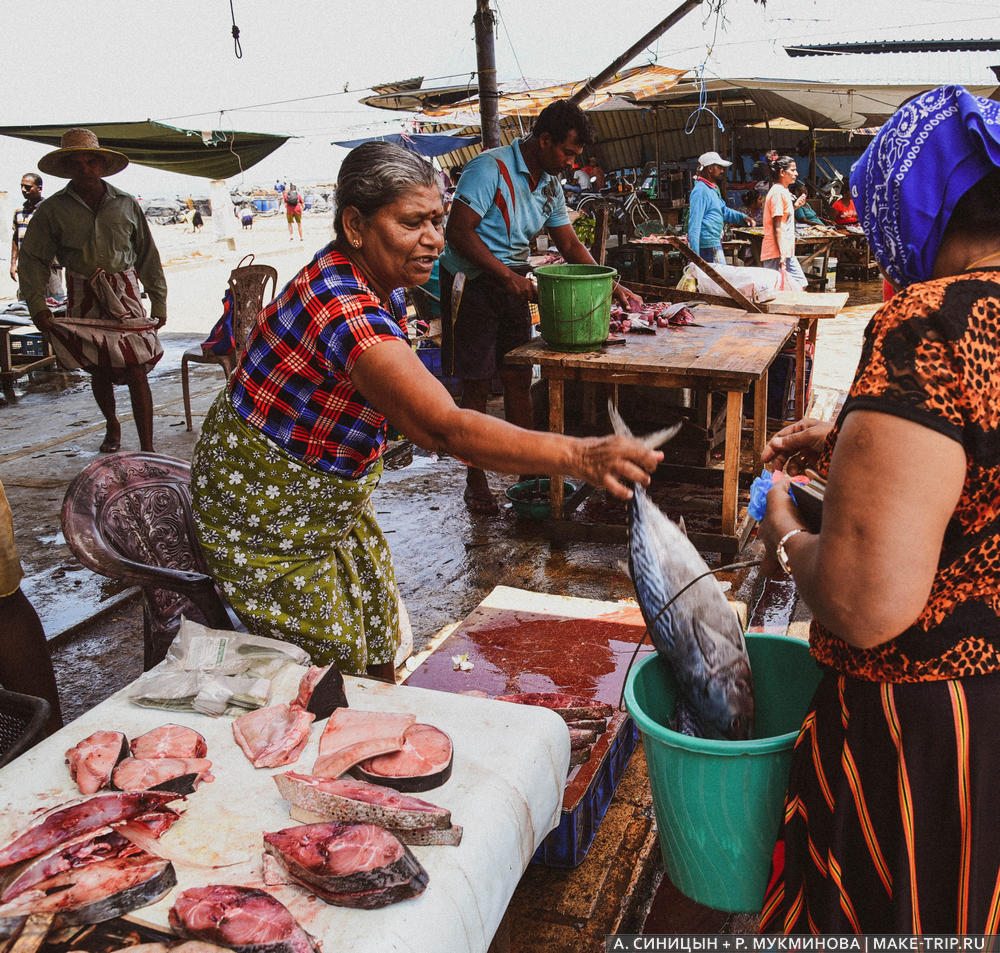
<point>64,598</point>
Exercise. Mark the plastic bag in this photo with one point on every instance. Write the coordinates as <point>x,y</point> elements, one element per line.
<point>198,648</point>
<point>757,284</point>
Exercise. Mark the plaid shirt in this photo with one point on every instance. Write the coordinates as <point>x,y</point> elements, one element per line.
<point>293,380</point>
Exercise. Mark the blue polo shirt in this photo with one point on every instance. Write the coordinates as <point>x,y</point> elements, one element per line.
<point>496,185</point>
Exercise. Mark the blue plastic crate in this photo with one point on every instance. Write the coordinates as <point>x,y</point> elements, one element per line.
<point>567,845</point>
<point>27,345</point>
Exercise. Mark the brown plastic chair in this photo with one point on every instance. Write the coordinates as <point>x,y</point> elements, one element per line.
<point>248,283</point>
<point>128,516</point>
<point>22,723</point>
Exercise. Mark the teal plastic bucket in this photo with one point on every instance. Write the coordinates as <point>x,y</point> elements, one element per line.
<point>719,804</point>
<point>574,305</point>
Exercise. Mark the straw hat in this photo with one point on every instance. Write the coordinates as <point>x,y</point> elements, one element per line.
<point>75,141</point>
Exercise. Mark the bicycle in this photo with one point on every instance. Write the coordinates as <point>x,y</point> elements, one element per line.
<point>629,209</point>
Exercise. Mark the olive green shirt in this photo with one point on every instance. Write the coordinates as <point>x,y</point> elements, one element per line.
<point>115,237</point>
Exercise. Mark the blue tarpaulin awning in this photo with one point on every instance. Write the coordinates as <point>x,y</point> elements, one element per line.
<point>426,143</point>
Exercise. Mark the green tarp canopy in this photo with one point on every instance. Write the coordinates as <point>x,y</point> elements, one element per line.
<point>211,154</point>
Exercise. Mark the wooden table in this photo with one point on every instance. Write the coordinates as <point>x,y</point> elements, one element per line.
<point>9,371</point>
<point>727,351</point>
<point>506,791</point>
<point>809,307</point>
<point>820,246</point>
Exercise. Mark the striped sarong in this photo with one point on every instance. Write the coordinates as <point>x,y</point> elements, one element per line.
<point>105,325</point>
<point>297,551</point>
<point>890,821</point>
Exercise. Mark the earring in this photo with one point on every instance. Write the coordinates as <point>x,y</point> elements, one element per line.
<point>356,243</point>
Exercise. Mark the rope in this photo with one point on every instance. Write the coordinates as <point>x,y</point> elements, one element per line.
<point>237,49</point>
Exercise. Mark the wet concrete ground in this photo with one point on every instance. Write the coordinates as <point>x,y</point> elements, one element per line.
<point>446,559</point>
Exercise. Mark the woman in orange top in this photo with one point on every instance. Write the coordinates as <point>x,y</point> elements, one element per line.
<point>778,249</point>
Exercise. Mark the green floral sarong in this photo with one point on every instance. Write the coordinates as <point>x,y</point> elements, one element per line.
<point>297,551</point>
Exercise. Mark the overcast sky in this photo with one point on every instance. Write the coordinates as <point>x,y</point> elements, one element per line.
<point>104,60</point>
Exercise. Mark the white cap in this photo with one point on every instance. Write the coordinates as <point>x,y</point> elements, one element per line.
<point>712,158</point>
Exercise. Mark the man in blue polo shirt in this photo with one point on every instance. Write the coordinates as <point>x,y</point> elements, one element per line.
<point>505,197</point>
<point>708,213</point>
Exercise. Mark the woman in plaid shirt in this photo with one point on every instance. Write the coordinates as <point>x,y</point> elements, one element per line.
<point>290,452</point>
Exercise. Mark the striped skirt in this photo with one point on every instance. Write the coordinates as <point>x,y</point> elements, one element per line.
<point>105,326</point>
<point>891,817</point>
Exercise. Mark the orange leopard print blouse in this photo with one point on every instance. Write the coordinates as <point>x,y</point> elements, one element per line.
<point>932,355</point>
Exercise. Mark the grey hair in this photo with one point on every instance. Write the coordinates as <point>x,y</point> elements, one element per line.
<point>376,174</point>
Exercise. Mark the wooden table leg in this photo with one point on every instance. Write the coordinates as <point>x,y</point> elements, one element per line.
<point>731,461</point>
<point>556,425</point>
<point>801,333</point>
<point>759,419</point>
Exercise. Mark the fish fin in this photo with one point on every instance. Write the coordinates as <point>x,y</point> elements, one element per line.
<point>624,568</point>
<point>653,440</point>
<point>681,526</point>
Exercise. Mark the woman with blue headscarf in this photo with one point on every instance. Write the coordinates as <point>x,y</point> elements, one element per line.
<point>890,822</point>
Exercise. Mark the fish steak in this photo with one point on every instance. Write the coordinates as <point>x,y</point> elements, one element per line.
<point>170,741</point>
<point>92,760</point>
<point>244,919</point>
<point>348,865</point>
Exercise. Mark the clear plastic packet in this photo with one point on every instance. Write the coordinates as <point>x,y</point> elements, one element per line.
<point>218,695</point>
<point>198,648</point>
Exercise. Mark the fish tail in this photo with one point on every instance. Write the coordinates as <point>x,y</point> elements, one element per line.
<point>653,440</point>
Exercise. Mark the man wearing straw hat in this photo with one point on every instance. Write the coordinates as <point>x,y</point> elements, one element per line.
<point>100,235</point>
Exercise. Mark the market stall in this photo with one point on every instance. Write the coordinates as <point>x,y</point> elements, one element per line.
<point>505,791</point>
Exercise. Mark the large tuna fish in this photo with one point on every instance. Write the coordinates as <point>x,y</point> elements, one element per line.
<point>698,635</point>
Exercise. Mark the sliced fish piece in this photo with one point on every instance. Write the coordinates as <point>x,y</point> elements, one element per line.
<point>424,762</point>
<point>244,919</point>
<point>450,836</point>
<point>98,891</point>
<point>348,865</point>
<point>352,735</point>
<point>71,820</point>
<point>600,725</point>
<point>581,738</point>
<point>274,736</point>
<point>321,691</point>
<point>170,741</point>
<point>92,760</point>
<point>87,849</point>
<point>180,775</point>
<point>567,707</point>
<point>344,799</point>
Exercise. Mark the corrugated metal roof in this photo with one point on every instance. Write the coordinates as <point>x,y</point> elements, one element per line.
<point>893,46</point>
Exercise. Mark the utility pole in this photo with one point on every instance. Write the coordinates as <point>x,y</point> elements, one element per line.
<point>593,84</point>
<point>486,63</point>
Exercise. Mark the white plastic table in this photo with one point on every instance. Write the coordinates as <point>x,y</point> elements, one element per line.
<point>505,790</point>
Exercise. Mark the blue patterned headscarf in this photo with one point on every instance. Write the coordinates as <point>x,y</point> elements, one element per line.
<point>921,162</point>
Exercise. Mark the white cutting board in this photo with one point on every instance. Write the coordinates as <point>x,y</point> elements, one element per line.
<point>505,791</point>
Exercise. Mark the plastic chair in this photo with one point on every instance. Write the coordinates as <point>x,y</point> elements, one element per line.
<point>22,723</point>
<point>248,284</point>
<point>128,516</point>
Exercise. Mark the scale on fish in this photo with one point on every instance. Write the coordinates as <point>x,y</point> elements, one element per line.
<point>692,626</point>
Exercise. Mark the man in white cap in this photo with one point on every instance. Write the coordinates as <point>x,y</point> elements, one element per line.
<point>707,212</point>
<point>102,238</point>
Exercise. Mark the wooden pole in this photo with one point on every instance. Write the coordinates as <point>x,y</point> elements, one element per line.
<point>486,63</point>
<point>593,84</point>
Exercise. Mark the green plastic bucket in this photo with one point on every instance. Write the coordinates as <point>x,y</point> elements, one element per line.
<point>719,804</point>
<point>574,305</point>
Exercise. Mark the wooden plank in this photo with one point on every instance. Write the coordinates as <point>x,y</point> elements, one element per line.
<point>827,304</point>
<point>731,461</point>
<point>556,425</point>
<point>599,249</point>
<point>760,418</point>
